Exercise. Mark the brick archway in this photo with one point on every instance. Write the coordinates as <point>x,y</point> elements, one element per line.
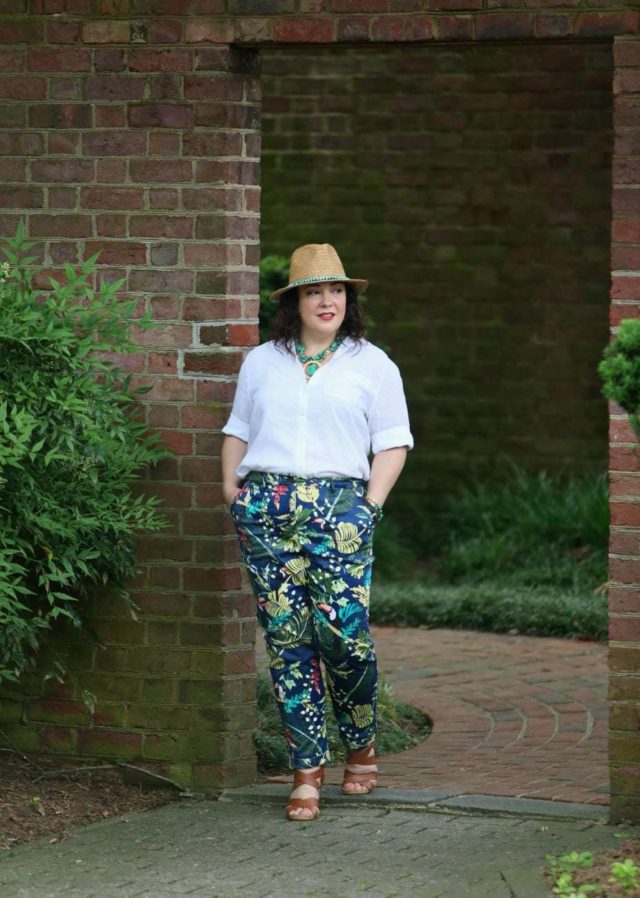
<point>133,127</point>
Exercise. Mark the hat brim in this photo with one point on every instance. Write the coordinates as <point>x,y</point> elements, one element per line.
<point>360,285</point>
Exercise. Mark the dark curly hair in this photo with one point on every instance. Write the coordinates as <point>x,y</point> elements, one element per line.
<point>286,327</point>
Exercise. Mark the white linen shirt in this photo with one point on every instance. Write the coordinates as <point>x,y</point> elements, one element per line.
<point>353,405</point>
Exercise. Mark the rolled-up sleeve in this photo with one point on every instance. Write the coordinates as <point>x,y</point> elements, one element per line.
<point>389,417</point>
<point>238,422</point>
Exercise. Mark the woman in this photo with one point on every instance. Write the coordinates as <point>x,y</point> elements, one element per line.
<point>309,407</point>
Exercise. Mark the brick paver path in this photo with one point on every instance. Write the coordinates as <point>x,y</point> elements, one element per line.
<point>517,716</point>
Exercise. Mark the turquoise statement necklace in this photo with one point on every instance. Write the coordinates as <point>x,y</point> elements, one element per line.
<point>311,363</point>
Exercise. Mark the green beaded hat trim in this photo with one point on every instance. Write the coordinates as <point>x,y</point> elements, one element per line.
<point>319,277</point>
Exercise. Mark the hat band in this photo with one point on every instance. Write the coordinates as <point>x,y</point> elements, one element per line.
<point>320,277</point>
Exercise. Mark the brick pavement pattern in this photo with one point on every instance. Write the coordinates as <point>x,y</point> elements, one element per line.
<point>229,849</point>
<point>518,716</point>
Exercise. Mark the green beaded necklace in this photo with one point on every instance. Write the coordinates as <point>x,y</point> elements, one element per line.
<point>310,363</point>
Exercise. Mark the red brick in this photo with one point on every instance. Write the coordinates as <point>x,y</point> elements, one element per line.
<point>203,417</point>
<point>626,81</point>
<point>157,115</point>
<point>122,143</point>
<point>624,629</point>
<point>625,288</point>
<point>212,363</point>
<point>169,60</point>
<point>163,198</point>
<point>304,30</point>
<point>606,24</point>
<point>109,743</point>
<point>402,28</point>
<point>209,87</point>
<point>63,170</point>
<point>624,570</point>
<point>621,599</point>
<point>626,514</point>
<point>21,197</point>
<point>64,143</point>
<point>626,230</point>
<point>109,59</point>
<point>162,363</point>
<point>117,198</point>
<point>626,52</point>
<point>494,26</point>
<point>623,485</point>
<point>202,31</point>
<point>118,252</point>
<point>455,28</point>
<point>176,226</point>
<point>364,6</point>
<point>22,87</point>
<point>66,32</point>
<point>353,28</point>
<point>11,60</point>
<point>41,59</point>
<point>553,25</point>
<point>111,171</point>
<point>212,144</point>
<point>60,226</point>
<point>625,199</point>
<point>106,31</point>
<point>165,32</point>
<point>243,334</point>
<point>113,87</point>
<point>155,170</point>
<point>164,143</point>
<point>625,257</point>
<point>21,32</point>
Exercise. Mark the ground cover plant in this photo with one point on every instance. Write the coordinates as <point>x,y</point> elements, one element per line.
<point>70,451</point>
<point>523,551</point>
<point>609,874</point>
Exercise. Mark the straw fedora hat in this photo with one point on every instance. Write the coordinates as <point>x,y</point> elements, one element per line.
<point>317,262</point>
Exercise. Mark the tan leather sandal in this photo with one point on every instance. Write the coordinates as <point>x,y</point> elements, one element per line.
<point>314,778</point>
<point>365,779</point>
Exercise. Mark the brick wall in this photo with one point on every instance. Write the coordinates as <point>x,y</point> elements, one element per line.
<point>150,155</point>
<point>624,596</point>
<point>472,186</point>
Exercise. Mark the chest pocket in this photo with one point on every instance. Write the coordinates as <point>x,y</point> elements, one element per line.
<point>351,389</point>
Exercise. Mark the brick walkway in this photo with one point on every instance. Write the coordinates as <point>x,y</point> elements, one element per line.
<point>516,716</point>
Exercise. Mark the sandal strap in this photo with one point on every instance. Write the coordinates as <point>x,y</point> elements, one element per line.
<point>351,777</point>
<point>361,755</point>
<point>313,778</point>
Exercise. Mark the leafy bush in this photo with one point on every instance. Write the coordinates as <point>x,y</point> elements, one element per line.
<point>70,448</point>
<point>274,274</point>
<point>491,607</point>
<point>620,370</point>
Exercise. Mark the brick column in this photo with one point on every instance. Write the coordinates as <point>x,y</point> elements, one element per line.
<point>624,582</point>
<point>150,154</point>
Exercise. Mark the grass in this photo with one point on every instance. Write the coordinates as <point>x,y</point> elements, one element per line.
<point>400,726</point>
<point>523,551</point>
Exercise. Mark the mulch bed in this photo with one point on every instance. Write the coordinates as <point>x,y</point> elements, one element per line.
<point>53,806</point>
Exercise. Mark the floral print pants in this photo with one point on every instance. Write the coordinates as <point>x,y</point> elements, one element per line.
<point>307,544</point>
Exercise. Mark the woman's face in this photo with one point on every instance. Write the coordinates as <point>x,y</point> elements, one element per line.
<point>322,306</point>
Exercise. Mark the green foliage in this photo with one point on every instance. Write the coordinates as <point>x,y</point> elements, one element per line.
<point>400,726</point>
<point>530,528</point>
<point>523,551</point>
<point>490,607</point>
<point>620,369</point>
<point>274,274</point>
<point>627,874</point>
<point>70,449</point>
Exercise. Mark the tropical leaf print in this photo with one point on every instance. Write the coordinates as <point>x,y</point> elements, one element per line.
<point>307,492</point>
<point>277,601</point>
<point>362,715</point>
<point>296,568</point>
<point>361,593</point>
<point>346,538</point>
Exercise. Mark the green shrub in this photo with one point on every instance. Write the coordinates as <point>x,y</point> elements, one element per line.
<point>274,272</point>
<point>492,607</point>
<point>70,449</point>
<point>620,369</point>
